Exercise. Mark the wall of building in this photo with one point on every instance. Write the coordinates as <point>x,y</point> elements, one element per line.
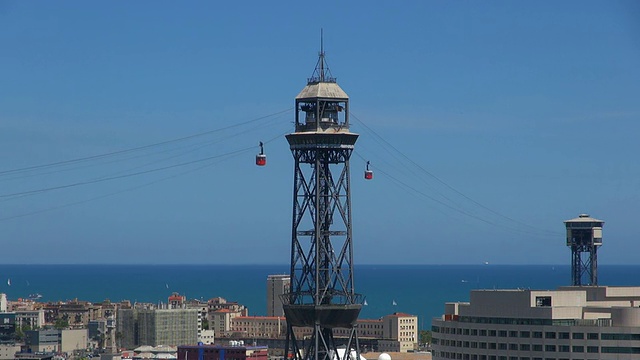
<point>524,324</point>
<point>8,351</point>
<point>75,339</point>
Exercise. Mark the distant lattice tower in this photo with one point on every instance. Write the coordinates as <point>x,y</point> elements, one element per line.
<point>321,295</point>
<point>584,236</point>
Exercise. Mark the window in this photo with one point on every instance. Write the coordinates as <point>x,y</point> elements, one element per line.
<point>592,336</point>
<point>537,334</point>
<point>525,334</point>
<point>513,334</point>
<point>537,347</point>
<point>563,348</point>
<point>492,333</point>
<point>578,336</point>
<point>513,347</point>
<point>592,349</point>
<point>525,347</point>
<point>550,335</point>
<point>563,335</point>
<point>577,349</point>
<point>550,348</point>
<point>502,346</point>
<point>543,301</point>
<point>502,333</point>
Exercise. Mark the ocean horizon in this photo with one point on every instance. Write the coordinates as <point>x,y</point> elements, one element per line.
<point>420,290</point>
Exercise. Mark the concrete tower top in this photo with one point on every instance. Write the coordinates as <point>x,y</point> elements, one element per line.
<point>584,218</point>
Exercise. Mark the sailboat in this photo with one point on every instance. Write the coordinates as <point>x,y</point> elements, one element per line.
<point>365,303</point>
<point>9,282</point>
<point>394,303</point>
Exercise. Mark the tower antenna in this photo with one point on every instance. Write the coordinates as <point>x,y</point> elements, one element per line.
<point>321,73</point>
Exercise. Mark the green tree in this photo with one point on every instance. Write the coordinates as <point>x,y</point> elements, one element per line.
<point>425,336</point>
<point>20,332</point>
<point>61,324</point>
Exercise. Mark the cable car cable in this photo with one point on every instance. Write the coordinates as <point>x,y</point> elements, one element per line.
<point>549,232</point>
<point>92,157</point>
<point>233,154</point>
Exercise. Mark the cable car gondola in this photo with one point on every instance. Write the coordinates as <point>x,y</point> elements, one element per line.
<point>261,159</point>
<point>368,174</point>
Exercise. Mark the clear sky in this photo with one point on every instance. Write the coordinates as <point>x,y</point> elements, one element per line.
<point>487,125</point>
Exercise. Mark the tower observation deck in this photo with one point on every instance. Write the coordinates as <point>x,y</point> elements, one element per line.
<point>584,236</point>
<point>321,294</point>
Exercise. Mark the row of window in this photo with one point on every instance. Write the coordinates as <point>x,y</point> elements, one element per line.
<point>536,334</point>
<point>535,322</point>
<point>593,349</point>
<point>515,347</point>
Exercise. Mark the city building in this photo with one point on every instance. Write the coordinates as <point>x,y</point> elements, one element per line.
<point>8,351</point>
<point>157,327</point>
<point>276,286</point>
<point>206,337</point>
<point>217,352</point>
<point>592,322</point>
<point>259,326</point>
<point>33,319</point>
<point>3,302</point>
<point>7,327</point>
<point>54,340</point>
<point>177,301</point>
<point>220,321</point>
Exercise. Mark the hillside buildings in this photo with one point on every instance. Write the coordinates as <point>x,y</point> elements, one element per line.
<point>593,322</point>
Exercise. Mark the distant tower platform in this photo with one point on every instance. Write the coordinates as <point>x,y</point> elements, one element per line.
<point>584,236</point>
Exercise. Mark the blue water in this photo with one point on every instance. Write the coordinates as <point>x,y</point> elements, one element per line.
<point>420,290</point>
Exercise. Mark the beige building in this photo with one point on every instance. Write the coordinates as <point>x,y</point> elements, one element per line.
<point>259,326</point>
<point>397,332</point>
<point>276,286</point>
<point>596,322</point>
<point>400,333</point>
<point>8,351</point>
<point>220,321</point>
<point>32,318</point>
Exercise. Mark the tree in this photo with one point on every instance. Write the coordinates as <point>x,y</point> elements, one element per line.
<point>425,336</point>
<point>61,323</point>
<point>20,332</point>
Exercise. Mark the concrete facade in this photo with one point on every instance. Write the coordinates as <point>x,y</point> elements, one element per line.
<point>8,351</point>
<point>276,286</point>
<point>568,323</point>
<point>167,327</point>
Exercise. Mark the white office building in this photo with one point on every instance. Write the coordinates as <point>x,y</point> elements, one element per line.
<point>594,322</point>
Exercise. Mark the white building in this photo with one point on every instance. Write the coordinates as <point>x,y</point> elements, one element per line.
<point>276,286</point>
<point>569,323</point>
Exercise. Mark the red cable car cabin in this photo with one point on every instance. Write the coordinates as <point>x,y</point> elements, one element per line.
<point>368,174</point>
<point>261,159</point>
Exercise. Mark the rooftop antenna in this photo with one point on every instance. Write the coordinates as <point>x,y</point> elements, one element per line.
<point>321,54</point>
<point>321,73</point>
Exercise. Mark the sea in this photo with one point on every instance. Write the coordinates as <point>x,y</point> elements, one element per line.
<point>419,290</point>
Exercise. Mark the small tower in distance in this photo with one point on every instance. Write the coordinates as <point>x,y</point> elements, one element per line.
<point>584,236</point>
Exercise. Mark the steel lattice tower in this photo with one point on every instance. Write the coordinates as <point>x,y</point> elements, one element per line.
<point>322,293</point>
<point>584,236</point>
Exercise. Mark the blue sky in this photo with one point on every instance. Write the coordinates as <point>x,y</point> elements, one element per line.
<point>487,124</point>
